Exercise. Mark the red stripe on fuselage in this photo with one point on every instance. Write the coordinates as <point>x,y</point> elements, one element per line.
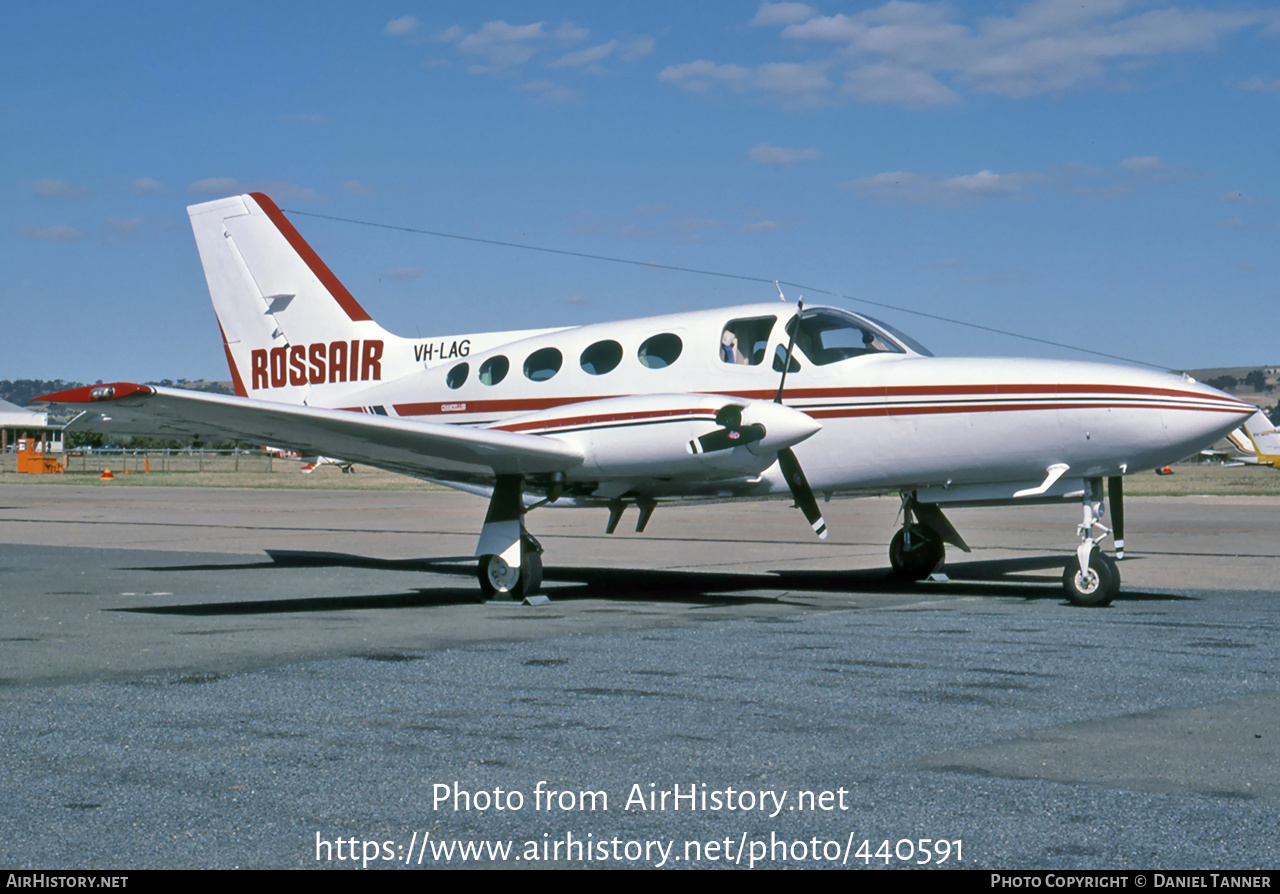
<point>607,419</point>
<point>318,267</point>
<point>981,402</point>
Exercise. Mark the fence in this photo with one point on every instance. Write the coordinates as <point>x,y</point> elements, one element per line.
<point>173,460</point>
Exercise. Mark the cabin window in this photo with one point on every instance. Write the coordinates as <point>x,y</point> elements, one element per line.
<point>660,350</point>
<point>827,336</point>
<point>456,376</point>
<point>744,342</point>
<point>494,370</point>
<point>602,357</point>
<point>780,357</point>
<point>543,364</point>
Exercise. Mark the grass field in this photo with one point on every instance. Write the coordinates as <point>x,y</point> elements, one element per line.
<point>1188,479</point>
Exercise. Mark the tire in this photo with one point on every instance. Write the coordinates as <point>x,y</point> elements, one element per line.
<point>925,556</point>
<point>1098,587</point>
<point>498,578</point>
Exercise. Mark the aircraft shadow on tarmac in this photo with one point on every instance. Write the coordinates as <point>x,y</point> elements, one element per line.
<point>1014,578</point>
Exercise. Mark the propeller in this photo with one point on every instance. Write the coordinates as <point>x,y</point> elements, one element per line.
<point>733,433</point>
<point>799,485</point>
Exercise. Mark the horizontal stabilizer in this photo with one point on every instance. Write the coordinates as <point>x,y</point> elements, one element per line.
<point>421,449</point>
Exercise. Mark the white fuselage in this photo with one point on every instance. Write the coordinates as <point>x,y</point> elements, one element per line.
<point>892,418</point>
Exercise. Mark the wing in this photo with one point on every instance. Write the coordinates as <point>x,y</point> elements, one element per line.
<point>422,449</point>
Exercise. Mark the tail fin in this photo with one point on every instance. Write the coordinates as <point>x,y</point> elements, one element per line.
<point>1258,441</point>
<point>292,331</point>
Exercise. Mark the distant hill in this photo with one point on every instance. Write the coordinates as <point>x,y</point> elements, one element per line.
<point>1258,385</point>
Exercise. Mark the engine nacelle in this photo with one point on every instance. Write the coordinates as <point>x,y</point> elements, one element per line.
<point>648,436</point>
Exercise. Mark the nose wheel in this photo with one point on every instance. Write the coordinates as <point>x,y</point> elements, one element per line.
<point>1092,578</point>
<point>1094,587</point>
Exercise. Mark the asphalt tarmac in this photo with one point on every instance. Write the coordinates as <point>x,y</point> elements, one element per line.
<point>197,677</point>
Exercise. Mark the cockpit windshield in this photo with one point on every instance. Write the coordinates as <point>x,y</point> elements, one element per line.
<point>827,335</point>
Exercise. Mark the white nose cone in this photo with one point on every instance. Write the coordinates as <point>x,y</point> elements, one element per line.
<point>783,426</point>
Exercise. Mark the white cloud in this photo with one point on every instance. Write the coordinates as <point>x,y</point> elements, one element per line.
<point>550,92</point>
<point>355,187</point>
<point>54,233</point>
<point>782,13</point>
<point>1128,176</point>
<point>223,186</point>
<point>1150,169</point>
<point>505,45</point>
<point>636,49</point>
<point>702,76</point>
<point>122,230</point>
<point>781,156</point>
<point>506,51</point>
<point>792,83</point>
<point>60,189</point>
<point>905,187</point>
<point>146,186</point>
<point>1260,85</point>
<point>402,274</point>
<point>899,86</point>
<point>278,190</point>
<point>793,78</point>
<point>570,33</point>
<point>1141,164</point>
<point>587,56</point>
<point>923,55</point>
<point>287,192</point>
<point>401,26</point>
<point>1239,198</point>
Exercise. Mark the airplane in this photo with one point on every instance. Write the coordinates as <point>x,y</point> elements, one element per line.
<point>1256,443</point>
<point>766,400</point>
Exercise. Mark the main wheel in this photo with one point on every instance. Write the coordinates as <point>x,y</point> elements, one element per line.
<point>1096,587</point>
<point>923,557</point>
<point>497,577</point>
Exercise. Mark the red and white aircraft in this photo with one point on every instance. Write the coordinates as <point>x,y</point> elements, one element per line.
<point>690,406</point>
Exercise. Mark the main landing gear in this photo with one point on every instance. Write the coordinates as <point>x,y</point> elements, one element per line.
<point>917,550</point>
<point>510,557</point>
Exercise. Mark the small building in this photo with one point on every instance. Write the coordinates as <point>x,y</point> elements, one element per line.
<point>19,422</point>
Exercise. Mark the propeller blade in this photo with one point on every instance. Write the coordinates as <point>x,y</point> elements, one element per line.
<point>727,438</point>
<point>1115,489</point>
<point>802,492</point>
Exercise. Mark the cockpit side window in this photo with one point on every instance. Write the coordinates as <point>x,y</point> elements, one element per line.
<point>780,357</point>
<point>828,336</point>
<point>744,342</point>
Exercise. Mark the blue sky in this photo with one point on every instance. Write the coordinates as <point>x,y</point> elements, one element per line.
<point>1100,173</point>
